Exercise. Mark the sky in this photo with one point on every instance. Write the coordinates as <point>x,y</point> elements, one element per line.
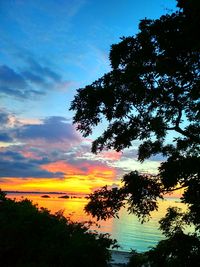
<point>49,49</point>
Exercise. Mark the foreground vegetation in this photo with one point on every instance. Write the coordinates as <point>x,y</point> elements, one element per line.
<point>32,237</point>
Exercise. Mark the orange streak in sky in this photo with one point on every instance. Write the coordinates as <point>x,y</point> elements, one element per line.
<point>85,169</point>
<point>76,180</point>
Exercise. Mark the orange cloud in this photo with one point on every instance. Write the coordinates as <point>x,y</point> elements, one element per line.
<point>99,171</point>
<point>82,179</point>
<point>61,166</point>
<point>83,170</point>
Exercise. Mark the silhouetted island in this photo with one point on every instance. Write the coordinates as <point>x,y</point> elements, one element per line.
<point>45,196</point>
<point>65,196</point>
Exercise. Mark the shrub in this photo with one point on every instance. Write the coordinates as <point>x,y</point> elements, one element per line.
<point>31,236</point>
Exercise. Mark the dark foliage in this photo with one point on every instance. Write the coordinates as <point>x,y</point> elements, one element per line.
<point>151,94</point>
<point>32,237</point>
<point>152,90</point>
<point>105,203</point>
<point>139,193</point>
<point>180,250</point>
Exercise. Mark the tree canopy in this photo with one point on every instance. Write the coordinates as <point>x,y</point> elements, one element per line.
<point>151,94</point>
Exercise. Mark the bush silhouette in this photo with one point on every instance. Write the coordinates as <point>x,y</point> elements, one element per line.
<point>31,236</point>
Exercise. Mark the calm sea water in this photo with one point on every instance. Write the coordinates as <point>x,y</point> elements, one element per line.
<point>128,231</point>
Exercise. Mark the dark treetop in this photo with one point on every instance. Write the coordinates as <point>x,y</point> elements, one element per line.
<point>152,95</point>
<point>152,90</point>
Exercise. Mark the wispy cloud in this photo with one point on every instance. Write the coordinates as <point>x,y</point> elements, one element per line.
<point>33,80</point>
<point>39,73</point>
<point>13,83</point>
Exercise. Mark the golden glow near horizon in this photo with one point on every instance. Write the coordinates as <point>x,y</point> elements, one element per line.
<point>81,171</point>
<point>49,155</point>
<point>72,185</point>
<point>84,179</point>
<point>84,184</point>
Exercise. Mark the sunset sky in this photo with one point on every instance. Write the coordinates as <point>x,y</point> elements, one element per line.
<point>48,49</point>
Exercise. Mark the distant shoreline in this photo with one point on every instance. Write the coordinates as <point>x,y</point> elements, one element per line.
<point>42,192</point>
<point>69,193</point>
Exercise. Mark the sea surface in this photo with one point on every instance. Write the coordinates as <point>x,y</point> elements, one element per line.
<point>127,230</point>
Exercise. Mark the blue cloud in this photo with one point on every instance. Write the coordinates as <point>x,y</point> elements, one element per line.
<point>14,164</point>
<point>4,121</point>
<point>51,129</point>
<point>34,79</point>
<point>13,83</point>
<point>25,159</point>
<point>4,117</point>
<point>10,78</point>
<point>4,137</point>
<point>54,129</point>
<point>42,71</point>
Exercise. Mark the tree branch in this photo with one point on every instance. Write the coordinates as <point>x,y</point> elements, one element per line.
<point>194,138</point>
<point>174,189</point>
<point>177,128</point>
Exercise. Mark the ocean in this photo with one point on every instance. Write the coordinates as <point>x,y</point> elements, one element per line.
<point>127,230</point>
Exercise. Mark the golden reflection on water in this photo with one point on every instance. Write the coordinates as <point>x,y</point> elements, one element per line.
<point>72,207</point>
<point>129,232</point>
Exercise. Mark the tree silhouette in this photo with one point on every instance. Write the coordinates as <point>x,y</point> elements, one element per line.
<point>151,94</point>
<point>31,236</point>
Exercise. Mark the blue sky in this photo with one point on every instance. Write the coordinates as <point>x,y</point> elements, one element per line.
<point>48,49</point>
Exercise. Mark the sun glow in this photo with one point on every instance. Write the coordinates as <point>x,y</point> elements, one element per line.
<point>83,179</point>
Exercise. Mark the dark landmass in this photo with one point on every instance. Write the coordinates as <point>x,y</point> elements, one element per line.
<point>33,192</point>
<point>45,196</point>
<point>79,195</point>
<point>65,196</point>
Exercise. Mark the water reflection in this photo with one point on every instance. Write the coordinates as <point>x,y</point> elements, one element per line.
<point>129,233</point>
